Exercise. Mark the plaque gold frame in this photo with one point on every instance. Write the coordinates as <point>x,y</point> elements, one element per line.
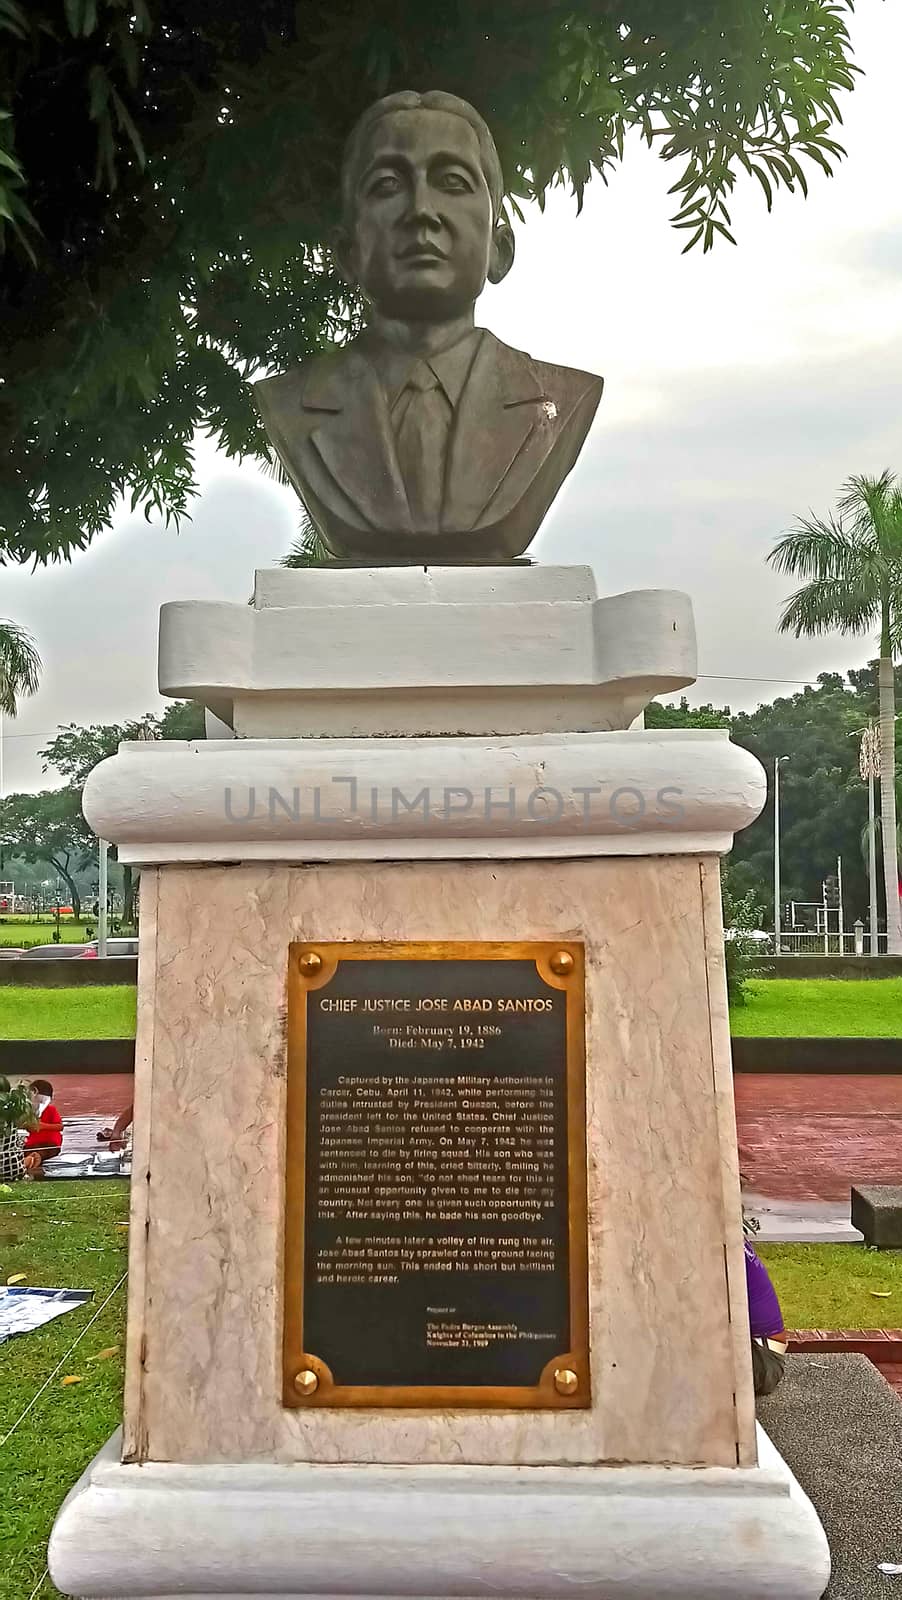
<point>565,1381</point>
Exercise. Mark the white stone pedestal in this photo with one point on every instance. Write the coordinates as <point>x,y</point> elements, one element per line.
<point>433,1533</point>
<point>418,651</point>
<point>477,786</point>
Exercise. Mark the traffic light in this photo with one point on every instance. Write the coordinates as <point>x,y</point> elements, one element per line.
<point>831,892</point>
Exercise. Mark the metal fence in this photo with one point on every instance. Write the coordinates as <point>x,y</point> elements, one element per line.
<point>853,943</point>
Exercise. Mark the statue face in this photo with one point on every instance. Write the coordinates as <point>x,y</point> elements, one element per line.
<point>421,240</point>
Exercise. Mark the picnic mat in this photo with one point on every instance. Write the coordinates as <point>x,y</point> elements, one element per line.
<point>23,1310</point>
<point>90,1164</point>
<point>838,1425</point>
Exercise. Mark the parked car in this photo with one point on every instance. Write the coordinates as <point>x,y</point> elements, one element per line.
<point>50,952</point>
<point>9,952</point>
<point>114,947</point>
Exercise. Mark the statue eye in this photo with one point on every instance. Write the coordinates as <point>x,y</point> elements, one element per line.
<point>455,183</point>
<point>385,184</point>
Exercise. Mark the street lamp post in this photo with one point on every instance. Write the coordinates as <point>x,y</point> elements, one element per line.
<point>869,766</point>
<point>778,762</point>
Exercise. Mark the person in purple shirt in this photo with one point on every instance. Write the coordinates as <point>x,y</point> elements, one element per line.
<point>765,1325</point>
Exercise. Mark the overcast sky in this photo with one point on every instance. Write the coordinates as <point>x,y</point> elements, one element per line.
<point>742,388</point>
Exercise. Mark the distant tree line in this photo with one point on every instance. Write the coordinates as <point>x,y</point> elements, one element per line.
<point>48,827</point>
<point>823,800</point>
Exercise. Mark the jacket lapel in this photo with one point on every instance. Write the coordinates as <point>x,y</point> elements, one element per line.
<point>498,418</point>
<point>352,437</point>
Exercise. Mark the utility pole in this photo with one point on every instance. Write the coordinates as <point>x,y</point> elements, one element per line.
<point>778,762</point>
<point>102,848</point>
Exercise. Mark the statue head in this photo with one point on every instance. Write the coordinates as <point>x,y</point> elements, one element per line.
<point>422,226</point>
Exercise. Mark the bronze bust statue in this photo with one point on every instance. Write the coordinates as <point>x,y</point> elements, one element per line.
<point>426,438</point>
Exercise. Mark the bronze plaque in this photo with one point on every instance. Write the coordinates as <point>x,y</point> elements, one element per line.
<point>436,1232</point>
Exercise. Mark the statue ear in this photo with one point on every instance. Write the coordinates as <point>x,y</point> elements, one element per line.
<point>501,251</point>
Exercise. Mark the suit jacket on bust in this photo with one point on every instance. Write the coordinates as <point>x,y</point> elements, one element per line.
<point>517,429</point>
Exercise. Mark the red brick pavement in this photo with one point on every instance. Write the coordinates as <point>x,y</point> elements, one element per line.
<point>804,1136</point>
<point>101,1094</point>
<point>88,1102</point>
<point>892,1372</point>
<point>810,1136</point>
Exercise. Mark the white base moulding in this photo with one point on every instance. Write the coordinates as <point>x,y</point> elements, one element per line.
<point>516,1533</point>
<point>672,792</point>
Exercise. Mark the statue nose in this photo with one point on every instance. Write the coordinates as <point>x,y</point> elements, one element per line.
<point>422,201</point>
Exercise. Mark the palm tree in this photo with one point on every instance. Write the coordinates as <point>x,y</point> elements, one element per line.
<point>308,549</point>
<point>20,667</point>
<point>853,564</point>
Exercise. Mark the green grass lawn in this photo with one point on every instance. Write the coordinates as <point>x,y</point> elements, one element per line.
<point>104,1012</point>
<point>830,1285</point>
<point>26,932</point>
<point>70,1235</point>
<point>61,1235</point>
<point>777,1007</point>
<point>820,1007</point>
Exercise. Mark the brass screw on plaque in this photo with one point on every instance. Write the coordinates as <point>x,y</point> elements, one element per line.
<point>306,1382</point>
<point>310,963</point>
<point>561,963</point>
<point>565,1379</point>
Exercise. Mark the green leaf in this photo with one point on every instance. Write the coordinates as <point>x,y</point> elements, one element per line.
<point>765,183</point>
<point>8,161</point>
<point>127,125</point>
<point>13,18</point>
<point>99,87</point>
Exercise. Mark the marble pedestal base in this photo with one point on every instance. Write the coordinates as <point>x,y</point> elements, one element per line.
<point>496,1533</point>
<point>433,756</point>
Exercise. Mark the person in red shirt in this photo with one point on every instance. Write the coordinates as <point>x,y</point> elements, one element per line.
<point>46,1140</point>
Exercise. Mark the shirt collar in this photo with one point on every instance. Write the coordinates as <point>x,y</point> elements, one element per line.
<point>451,367</point>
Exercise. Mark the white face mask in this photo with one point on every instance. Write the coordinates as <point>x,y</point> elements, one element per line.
<point>43,1102</point>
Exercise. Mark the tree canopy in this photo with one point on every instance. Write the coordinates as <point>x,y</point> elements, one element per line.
<point>49,826</point>
<point>823,801</point>
<point>168,189</point>
<point>74,751</point>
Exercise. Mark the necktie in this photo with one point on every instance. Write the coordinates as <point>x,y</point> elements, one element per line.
<point>422,418</point>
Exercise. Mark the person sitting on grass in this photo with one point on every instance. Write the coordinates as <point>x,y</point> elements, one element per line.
<point>765,1324</point>
<point>16,1114</point>
<point>116,1134</point>
<point>46,1140</point>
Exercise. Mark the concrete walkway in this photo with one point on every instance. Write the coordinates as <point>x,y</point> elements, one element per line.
<point>801,1221</point>
<point>838,1425</point>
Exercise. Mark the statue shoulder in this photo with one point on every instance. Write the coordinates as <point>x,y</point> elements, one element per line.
<point>304,382</point>
<point>568,386</point>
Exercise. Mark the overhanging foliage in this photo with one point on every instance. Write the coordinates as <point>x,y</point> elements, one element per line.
<point>168,181</point>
